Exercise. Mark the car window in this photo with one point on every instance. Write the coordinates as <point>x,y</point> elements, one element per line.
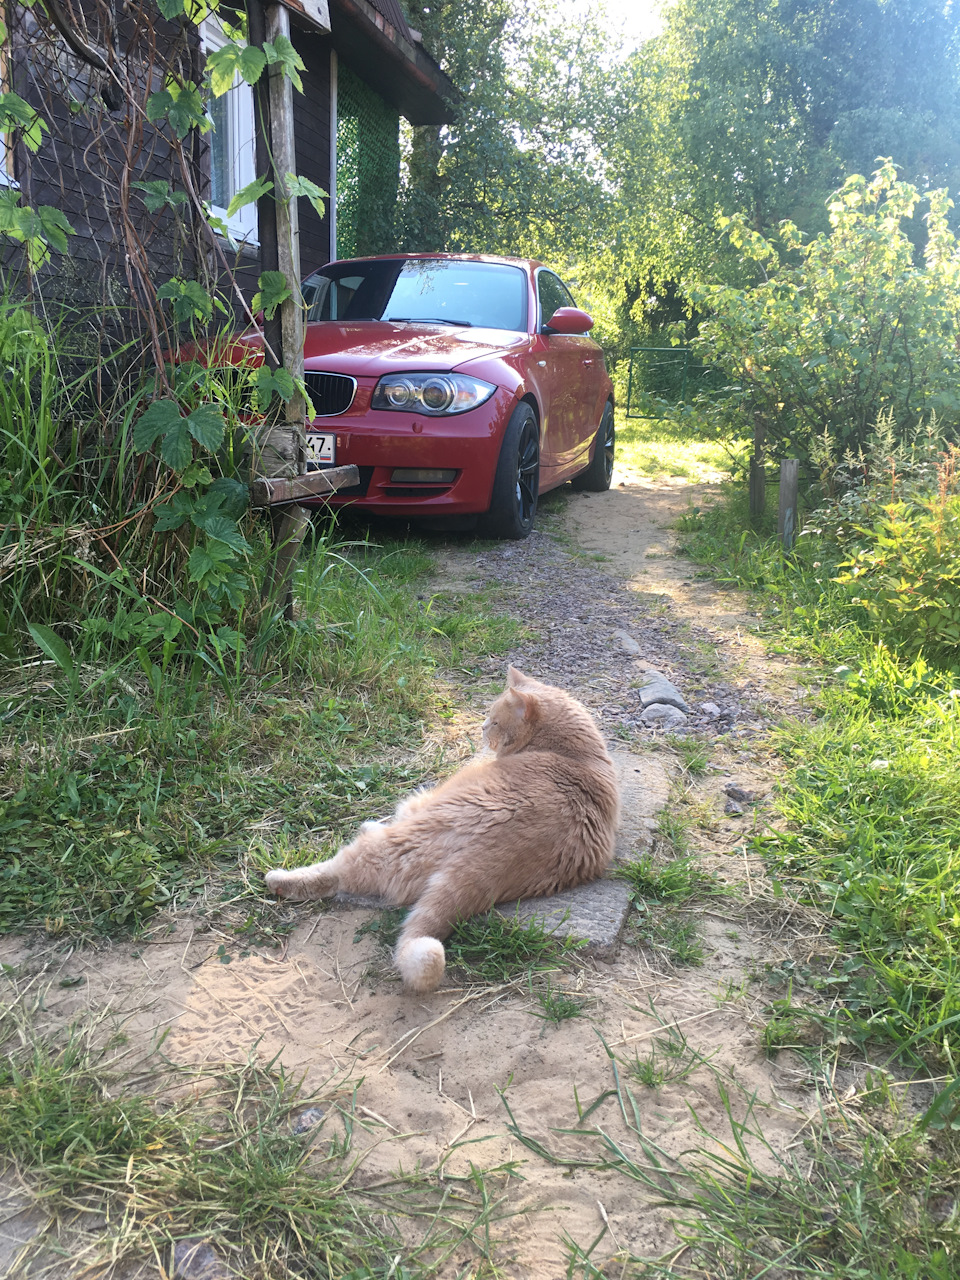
<point>553,294</point>
<point>487,295</point>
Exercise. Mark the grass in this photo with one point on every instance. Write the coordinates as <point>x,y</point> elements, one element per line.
<point>494,948</point>
<point>212,1155</point>
<point>556,1005</point>
<point>865,1194</point>
<point>657,449</point>
<point>118,804</point>
<point>869,829</point>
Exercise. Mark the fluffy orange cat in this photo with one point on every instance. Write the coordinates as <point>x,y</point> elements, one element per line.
<point>538,818</point>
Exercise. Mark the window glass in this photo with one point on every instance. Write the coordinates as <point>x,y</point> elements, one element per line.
<point>232,145</point>
<point>553,294</point>
<point>487,295</point>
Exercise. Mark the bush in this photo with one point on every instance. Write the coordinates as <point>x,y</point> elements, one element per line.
<point>853,329</point>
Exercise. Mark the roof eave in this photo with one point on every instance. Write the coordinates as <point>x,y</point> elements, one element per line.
<point>401,72</point>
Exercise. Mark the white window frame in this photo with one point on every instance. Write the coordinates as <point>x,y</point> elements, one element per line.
<point>7,178</point>
<point>243,226</point>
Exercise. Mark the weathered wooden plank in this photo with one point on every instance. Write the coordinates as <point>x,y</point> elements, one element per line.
<point>787,519</point>
<point>271,492</point>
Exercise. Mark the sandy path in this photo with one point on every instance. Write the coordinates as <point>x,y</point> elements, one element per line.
<point>431,1068</point>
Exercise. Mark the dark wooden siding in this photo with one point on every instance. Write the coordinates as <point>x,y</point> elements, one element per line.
<point>311,112</point>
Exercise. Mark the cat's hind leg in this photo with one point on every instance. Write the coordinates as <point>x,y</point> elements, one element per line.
<point>419,955</point>
<point>343,871</point>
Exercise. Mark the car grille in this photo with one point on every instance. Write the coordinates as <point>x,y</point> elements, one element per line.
<point>331,393</point>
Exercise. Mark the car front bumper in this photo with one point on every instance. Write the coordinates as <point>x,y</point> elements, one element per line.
<point>379,442</point>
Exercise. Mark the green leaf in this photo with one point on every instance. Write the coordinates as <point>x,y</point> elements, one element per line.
<point>176,447</point>
<point>50,643</point>
<point>205,562</point>
<point>206,426</point>
<point>157,195</point>
<point>160,417</point>
<point>16,114</point>
<point>271,382</point>
<point>248,195</point>
<point>225,530</point>
<point>273,289</point>
<point>282,52</point>
<point>198,473</point>
<point>232,60</point>
<point>170,8</point>
<point>54,227</point>
<point>232,497</point>
<point>183,105</point>
<point>298,186</point>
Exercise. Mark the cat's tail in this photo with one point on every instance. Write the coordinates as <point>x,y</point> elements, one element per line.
<point>419,955</point>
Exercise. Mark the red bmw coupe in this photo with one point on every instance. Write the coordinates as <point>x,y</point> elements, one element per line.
<point>459,385</point>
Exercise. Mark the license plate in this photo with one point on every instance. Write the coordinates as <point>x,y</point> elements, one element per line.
<point>321,448</point>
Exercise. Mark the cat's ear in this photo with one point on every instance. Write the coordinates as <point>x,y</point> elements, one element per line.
<point>521,704</point>
<point>515,677</point>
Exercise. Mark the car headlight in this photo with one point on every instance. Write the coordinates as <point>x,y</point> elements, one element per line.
<point>437,394</point>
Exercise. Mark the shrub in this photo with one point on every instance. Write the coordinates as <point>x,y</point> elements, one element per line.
<point>841,329</point>
<point>906,572</point>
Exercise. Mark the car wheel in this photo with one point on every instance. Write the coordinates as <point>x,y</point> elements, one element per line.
<point>597,477</point>
<point>516,485</point>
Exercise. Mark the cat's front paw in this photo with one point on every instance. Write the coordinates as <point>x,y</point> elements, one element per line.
<point>285,884</point>
<point>421,962</point>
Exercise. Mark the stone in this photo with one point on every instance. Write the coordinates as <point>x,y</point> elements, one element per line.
<point>710,709</point>
<point>307,1120</point>
<point>195,1260</point>
<point>644,790</point>
<point>732,807</point>
<point>657,688</point>
<point>626,642</point>
<point>663,715</point>
<point>593,913</point>
<point>739,794</point>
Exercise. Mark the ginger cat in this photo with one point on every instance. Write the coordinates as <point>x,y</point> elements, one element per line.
<point>538,818</point>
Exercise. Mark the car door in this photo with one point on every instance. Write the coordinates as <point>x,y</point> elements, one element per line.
<point>572,361</point>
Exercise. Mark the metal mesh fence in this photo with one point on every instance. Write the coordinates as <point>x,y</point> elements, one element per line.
<point>368,168</point>
<point>670,375</point>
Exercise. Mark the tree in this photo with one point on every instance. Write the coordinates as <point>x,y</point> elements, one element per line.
<point>521,168</point>
<point>760,111</point>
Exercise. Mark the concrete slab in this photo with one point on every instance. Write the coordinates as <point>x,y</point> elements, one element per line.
<point>644,790</point>
<point>593,913</point>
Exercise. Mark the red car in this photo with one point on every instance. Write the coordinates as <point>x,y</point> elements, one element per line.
<point>459,385</point>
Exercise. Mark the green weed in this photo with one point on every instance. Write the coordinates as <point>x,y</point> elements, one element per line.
<point>494,948</point>
<point>556,1006</point>
<point>214,1156</point>
<point>694,755</point>
<point>857,1200</point>
<point>674,880</point>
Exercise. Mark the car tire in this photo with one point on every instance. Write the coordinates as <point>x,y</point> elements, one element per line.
<point>596,478</point>
<point>516,485</point>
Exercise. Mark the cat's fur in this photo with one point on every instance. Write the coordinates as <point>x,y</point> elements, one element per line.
<point>538,818</point>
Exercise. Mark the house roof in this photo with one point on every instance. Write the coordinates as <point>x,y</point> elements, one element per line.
<point>373,38</point>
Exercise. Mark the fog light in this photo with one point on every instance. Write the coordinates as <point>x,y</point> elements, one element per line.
<point>412,475</point>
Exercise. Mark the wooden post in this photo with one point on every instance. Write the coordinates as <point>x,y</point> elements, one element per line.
<point>281,447</point>
<point>758,476</point>
<point>787,529</point>
<point>758,488</point>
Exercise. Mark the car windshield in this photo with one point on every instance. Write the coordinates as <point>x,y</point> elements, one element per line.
<point>488,295</point>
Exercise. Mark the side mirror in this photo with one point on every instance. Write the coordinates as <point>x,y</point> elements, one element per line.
<point>568,320</point>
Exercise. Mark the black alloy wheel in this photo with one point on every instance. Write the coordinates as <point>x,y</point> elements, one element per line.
<point>597,476</point>
<point>516,485</point>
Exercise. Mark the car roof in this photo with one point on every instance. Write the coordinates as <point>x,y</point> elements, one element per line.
<point>452,257</point>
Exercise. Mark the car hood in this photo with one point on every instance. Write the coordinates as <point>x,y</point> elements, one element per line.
<point>371,348</point>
